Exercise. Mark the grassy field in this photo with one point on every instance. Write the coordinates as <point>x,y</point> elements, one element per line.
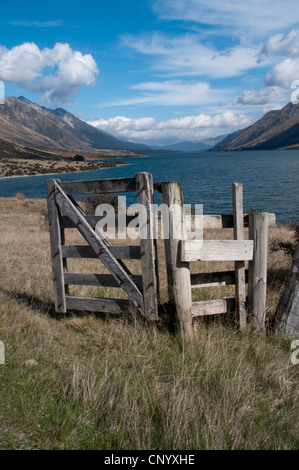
<point>100,382</point>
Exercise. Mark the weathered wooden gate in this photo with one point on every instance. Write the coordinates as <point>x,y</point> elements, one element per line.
<point>64,212</point>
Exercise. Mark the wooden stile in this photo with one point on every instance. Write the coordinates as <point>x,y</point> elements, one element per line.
<point>65,212</point>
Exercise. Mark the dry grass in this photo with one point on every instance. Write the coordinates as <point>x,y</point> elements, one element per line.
<point>88,382</point>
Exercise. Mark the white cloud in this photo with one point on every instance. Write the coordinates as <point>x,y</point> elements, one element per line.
<point>194,127</point>
<point>281,44</point>
<point>264,96</point>
<point>38,24</point>
<point>24,65</point>
<point>283,73</point>
<point>186,55</point>
<point>261,17</point>
<point>172,93</point>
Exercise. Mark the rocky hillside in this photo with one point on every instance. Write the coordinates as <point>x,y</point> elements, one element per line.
<point>276,130</point>
<point>27,124</point>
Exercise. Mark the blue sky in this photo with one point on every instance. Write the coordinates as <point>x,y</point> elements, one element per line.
<point>153,71</point>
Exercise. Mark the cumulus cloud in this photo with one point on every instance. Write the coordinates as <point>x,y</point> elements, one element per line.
<point>264,96</point>
<point>194,127</point>
<point>283,73</point>
<point>281,44</point>
<point>25,65</point>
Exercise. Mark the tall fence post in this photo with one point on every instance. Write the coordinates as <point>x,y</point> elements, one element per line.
<point>56,250</point>
<point>144,186</point>
<point>257,277</point>
<point>239,265</point>
<point>178,273</point>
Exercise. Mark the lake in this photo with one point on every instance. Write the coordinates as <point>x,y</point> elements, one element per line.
<point>270,179</point>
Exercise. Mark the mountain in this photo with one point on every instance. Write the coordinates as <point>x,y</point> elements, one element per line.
<point>27,124</point>
<point>275,130</point>
<point>184,147</point>
<point>226,139</point>
<point>188,146</point>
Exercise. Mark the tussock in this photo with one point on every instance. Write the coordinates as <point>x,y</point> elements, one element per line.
<point>104,382</point>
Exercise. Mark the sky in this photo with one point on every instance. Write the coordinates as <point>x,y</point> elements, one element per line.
<point>153,71</point>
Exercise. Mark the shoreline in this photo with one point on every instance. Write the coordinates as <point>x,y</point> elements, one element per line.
<point>63,172</point>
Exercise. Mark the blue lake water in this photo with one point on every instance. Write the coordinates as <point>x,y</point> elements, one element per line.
<point>270,179</point>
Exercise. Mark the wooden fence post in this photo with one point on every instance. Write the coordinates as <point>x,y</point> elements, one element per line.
<point>239,265</point>
<point>56,249</point>
<point>257,278</point>
<point>178,273</point>
<point>144,188</point>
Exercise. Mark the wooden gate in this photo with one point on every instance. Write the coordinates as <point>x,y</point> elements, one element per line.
<point>64,212</point>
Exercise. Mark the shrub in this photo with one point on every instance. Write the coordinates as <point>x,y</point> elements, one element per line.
<point>20,197</point>
<point>288,247</point>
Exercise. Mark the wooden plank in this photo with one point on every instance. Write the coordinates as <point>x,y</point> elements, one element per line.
<point>91,279</point>
<point>85,251</point>
<point>100,248</point>
<point>227,220</point>
<point>144,188</point>
<point>99,305</point>
<point>116,185</point>
<point>178,273</point>
<point>257,281</point>
<point>216,250</point>
<point>212,307</point>
<point>214,279</point>
<point>92,220</point>
<point>55,246</point>
<point>239,265</point>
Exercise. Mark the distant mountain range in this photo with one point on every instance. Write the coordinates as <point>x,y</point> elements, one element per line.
<point>187,146</point>
<point>28,130</point>
<point>24,125</point>
<point>275,130</point>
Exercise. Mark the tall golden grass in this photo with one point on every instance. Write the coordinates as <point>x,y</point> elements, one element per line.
<point>104,382</point>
